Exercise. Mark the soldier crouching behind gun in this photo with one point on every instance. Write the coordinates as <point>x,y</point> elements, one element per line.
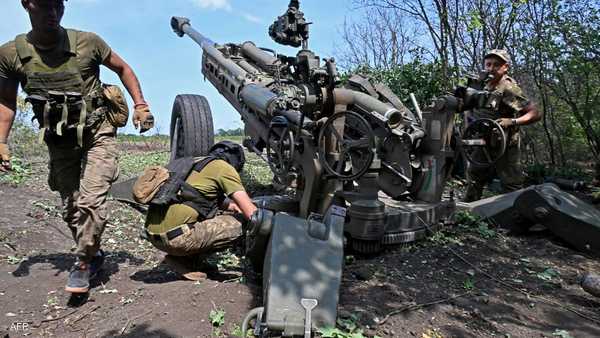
<point>505,103</point>
<point>182,217</point>
<point>59,70</point>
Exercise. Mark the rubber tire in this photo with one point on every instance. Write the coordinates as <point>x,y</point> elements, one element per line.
<point>196,131</point>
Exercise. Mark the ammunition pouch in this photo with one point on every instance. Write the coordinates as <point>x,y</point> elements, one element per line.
<point>117,110</point>
<point>60,113</point>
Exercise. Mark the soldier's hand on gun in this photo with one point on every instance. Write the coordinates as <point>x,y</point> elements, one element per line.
<point>4,158</point>
<point>506,122</point>
<point>142,117</point>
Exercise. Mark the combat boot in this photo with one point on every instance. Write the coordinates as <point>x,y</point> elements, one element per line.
<point>79,278</point>
<point>96,264</point>
<point>184,267</point>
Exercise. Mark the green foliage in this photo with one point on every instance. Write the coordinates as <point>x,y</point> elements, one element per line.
<point>471,221</point>
<point>257,175</point>
<point>332,332</point>
<point>137,138</point>
<point>230,132</point>
<point>20,172</point>
<point>217,317</point>
<point>225,260</point>
<point>468,219</point>
<point>468,284</point>
<point>346,328</point>
<point>423,79</point>
<point>485,231</point>
<point>14,260</point>
<point>443,237</point>
<point>474,21</point>
<point>561,333</point>
<point>237,332</point>
<point>537,172</point>
<point>132,164</point>
<point>548,274</point>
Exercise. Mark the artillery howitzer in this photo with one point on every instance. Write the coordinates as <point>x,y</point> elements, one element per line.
<point>362,167</point>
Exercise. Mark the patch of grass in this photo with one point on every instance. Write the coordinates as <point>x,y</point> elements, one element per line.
<point>48,208</point>
<point>485,231</point>
<point>51,301</point>
<point>217,317</point>
<point>548,275</point>
<point>225,260</point>
<point>14,260</point>
<point>236,331</point>
<point>442,237</point>
<point>472,222</point>
<point>468,284</point>
<point>256,174</point>
<point>538,172</point>
<point>561,333</point>
<point>346,328</point>
<point>132,164</point>
<point>20,172</point>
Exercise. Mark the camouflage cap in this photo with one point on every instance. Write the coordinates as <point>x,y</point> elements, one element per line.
<point>501,53</point>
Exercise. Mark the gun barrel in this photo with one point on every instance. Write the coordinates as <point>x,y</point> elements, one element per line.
<point>388,114</point>
<point>181,26</point>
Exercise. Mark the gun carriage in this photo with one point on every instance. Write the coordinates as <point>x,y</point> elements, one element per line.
<point>363,168</point>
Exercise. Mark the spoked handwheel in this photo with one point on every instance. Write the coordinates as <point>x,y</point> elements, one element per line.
<point>280,150</point>
<point>346,145</point>
<point>483,142</point>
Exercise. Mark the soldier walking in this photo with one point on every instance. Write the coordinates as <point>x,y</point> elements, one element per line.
<point>506,104</point>
<point>58,69</point>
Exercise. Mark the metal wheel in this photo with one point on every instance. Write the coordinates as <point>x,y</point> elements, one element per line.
<point>280,151</point>
<point>349,154</point>
<point>483,142</point>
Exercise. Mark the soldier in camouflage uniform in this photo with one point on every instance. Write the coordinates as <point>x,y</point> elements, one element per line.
<point>506,104</point>
<point>186,231</point>
<point>58,69</point>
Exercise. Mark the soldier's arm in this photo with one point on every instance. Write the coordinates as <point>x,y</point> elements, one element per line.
<point>530,114</point>
<point>243,201</point>
<point>8,106</point>
<point>527,112</point>
<point>115,63</point>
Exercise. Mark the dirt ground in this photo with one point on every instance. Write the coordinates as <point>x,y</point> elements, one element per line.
<point>462,282</point>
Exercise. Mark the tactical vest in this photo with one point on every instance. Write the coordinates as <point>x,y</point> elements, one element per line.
<point>57,93</point>
<point>177,190</point>
<point>491,105</point>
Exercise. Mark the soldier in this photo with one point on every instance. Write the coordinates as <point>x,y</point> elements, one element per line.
<point>190,228</point>
<point>506,104</point>
<point>58,69</point>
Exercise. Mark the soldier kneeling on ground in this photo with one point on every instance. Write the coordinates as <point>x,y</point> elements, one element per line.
<point>184,200</point>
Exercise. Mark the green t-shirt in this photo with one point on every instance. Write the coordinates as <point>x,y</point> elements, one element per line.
<point>91,51</point>
<point>217,176</point>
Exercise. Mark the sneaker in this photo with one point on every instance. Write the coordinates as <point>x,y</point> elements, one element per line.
<point>182,267</point>
<point>96,264</point>
<point>79,278</point>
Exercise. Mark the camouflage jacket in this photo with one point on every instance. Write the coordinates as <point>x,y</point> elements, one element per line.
<point>506,99</point>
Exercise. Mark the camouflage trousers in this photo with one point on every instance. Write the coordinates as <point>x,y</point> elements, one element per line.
<point>83,175</point>
<point>508,169</point>
<point>208,236</point>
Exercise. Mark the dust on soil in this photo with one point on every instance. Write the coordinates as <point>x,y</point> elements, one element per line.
<point>462,282</point>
